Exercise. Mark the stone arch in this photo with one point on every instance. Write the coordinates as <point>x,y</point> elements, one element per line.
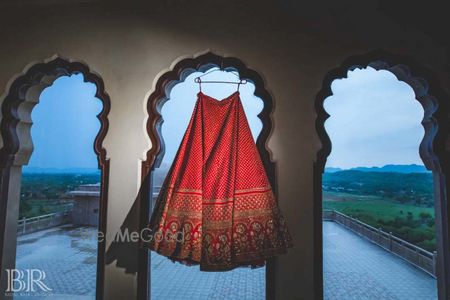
<point>432,150</point>
<point>22,96</point>
<point>154,156</point>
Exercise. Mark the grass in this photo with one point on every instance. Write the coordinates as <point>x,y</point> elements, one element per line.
<point>378,207</point>
<point>412,223</point>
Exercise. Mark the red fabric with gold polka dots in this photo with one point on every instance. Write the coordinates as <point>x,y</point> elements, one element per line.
<point>216,207</point>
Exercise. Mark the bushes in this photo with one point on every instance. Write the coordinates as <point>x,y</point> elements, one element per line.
<point>407,228</point>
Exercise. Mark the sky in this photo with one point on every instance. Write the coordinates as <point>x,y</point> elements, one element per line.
<point>65,140</point>
<point>177,111</point>
<point>375,120</point>
<point>65,125</point>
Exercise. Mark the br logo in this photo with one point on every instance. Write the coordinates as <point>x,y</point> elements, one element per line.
<point>27,280</point>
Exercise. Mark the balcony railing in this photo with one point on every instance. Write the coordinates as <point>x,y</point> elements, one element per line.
<point>29,225</point>
<point>417,256</point>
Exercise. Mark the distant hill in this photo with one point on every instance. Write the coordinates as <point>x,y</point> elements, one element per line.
<point>406,169</point>
<point>33,170</point>
<point>332,170</point>
<point>394,168</point>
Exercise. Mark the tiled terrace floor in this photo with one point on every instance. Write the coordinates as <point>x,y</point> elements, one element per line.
<point>68,257</point>
<point>178,282</point>
<point>354,268</point>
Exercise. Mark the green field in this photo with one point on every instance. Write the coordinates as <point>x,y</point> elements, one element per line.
<point>377,207</point>
<point>410,222</point>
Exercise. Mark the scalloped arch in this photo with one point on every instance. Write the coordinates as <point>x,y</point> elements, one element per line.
<point>23,95</point>
<point>402,71</point>
<point>15,127</point>
<point>433,148</point>
<point>177,74</point>
<point>153,127</point>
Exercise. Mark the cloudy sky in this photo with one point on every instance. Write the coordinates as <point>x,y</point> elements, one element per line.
<point>375,120</point>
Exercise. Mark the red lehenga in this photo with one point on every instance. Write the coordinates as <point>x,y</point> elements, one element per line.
<point>216,207</point>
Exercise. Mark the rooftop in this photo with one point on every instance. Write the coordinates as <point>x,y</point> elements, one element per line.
<point>86,190</point>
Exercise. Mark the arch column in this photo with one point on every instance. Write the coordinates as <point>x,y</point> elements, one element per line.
<point>9,214</point>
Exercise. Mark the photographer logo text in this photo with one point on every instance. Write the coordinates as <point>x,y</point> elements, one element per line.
<point>26,281</point>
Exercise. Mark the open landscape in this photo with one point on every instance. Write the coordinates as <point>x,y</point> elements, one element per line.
<point>44,192</point>
<point>397,202</point>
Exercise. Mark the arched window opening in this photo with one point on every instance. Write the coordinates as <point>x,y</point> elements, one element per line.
<point>60,191</point>
<point>176,114</point>
<point>379,229</point>
<point>54,181</point>
<point>170,108</point>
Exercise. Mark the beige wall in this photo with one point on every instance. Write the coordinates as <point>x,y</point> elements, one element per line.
<point>129,48</point>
